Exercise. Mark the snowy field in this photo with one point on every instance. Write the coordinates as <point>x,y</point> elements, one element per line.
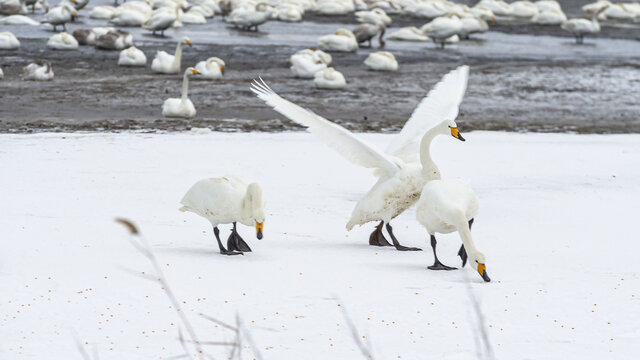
<point>557,224</point>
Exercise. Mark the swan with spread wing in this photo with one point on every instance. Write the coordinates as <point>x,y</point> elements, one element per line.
<point>401,174</point>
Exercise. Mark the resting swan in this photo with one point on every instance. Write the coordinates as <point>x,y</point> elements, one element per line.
<point>329,78</point>
<point>225,200</point>
<point>401,176</point>
<point>182,107</point>
<point>18,20</point>
<point>8,41</point>
<point>306,63</point>
<point>132,56</point>
<point>381,61</point>
<point>169,64</point>
<point>343,40</point>
<point>446,206</point>
<point>39,71</point>
<point>410,33</point>
<point>62,41</point>
<point>212,69</point>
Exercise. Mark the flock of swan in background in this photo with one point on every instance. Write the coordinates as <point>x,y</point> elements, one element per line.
<point>450,23</point>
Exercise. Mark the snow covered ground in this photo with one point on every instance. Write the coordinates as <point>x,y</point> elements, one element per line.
<point>557,224</point>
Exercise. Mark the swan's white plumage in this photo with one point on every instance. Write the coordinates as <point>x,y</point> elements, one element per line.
<point>400,182</point>
<point>40,71</point>
<point>181,107</point>
<point>132,56</point>
<point>441,103</point>
<point>342,40</point>
<point>62,41</point>
<point>8,41</point>
<point>410,33</point>
<point>169,64</point>
<point>212,69</point>
<point>329,78</point>
<point>225,200</point>
<point>381,61</point>
<point>18,20</point>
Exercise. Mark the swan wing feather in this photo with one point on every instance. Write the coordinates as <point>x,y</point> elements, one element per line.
<point>441,103</point>
<point>342,140</point>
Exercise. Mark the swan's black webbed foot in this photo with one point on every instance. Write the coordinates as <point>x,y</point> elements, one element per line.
<point>236,243</point>
<point>396,243</point>
<point>437,265</point>
<point>377,237</point>
<point>223,251</point>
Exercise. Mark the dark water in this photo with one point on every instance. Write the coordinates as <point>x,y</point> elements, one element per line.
<point>523,78</point>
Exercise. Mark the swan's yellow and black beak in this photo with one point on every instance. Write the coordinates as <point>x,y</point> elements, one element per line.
<point>46,10</point>
<point>493,19</point>
<point>75,14</point>
<point>195,72</point>
<point>222,69</point>
<point>259,230</point>
<point>456,133</point>
<point>189,42</point>
<point>482,270</point>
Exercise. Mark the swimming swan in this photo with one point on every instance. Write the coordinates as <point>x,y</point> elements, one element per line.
<point>225,200</point>
<point>401,176</point>
<point>169,64</point>
<point>446,206</point>
<point>182,107</point>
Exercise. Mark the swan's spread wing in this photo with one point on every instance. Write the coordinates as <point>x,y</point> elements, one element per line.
<point>341,139</point>
<point>440,104</point>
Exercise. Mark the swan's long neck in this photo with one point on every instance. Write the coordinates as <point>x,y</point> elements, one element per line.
<point>429,168</point>
<point>177,58</point>
<point>465,235</point>
<point>185,87</point>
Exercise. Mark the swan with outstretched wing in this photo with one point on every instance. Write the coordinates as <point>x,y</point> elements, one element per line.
<point>401,174</point>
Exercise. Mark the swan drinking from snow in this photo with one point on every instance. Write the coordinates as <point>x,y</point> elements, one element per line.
<point>182,107</point>
<point>401,175</point>
<point>224,200</point>
<point>169,64</point>
<point>446,206</point>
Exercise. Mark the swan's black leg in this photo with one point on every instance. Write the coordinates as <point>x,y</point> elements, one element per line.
<point>235,242</point>
<point>222,249</point>
<point>463,252</point>
<point>437,265</point>
<point>396,243</point>
<point>377,237</point>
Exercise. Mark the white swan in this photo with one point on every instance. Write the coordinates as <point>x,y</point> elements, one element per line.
<point>169,64</point>
<point>39,71</point>
<point>102,12</point>
<point>335,7</point>
<point>193,17</point>
<point>545,5</point>
<point>427,9</point>
<point>306,63</point>
<point>473,25</point>
<point>329,78</point>
<point>442,28</point>
<point>375,16</point>
<point>247,18</point>
<point>342,40</point>
<point>499,7</point>
<point>381,61</point>
<point>18,20</point>
<point>410,33</point>
<point>580,27</point>
<point>129,17</point>
<point>549,17</point>
<point>401,176</point>
<point>8,41</point>
<point>524,9</point>
<point>211,69</point>
<point>290,13</point>
<point>60,15</point>
<point>132,56</point>
<point>62,41</point>
<point>1,74</point>
<point>446,206</point>
<point>182,107</point>
<point>225,200</point>
<point>161,21</point>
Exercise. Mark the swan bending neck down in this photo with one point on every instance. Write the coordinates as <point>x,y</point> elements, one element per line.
<point>182,107</point>
<point>401,176</point>
<point>225,200</point>
<point>446,206</point>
